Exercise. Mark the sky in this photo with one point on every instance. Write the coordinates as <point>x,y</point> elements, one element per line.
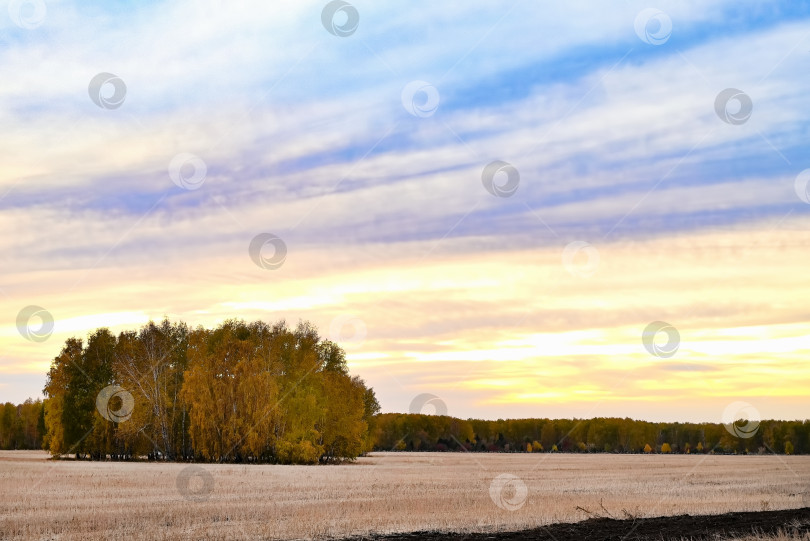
<point>518,208</point>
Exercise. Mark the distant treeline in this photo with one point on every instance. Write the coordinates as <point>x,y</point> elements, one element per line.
<point>243,392</point>
<point>22,426</point>
<point>413,432</point>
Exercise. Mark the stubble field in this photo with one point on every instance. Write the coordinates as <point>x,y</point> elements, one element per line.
<point>381,493</point>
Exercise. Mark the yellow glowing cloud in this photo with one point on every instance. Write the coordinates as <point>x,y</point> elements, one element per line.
<point>507,332</point>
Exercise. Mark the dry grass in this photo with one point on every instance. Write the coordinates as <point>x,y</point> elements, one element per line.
<point>781,536</point>
<point>384,492</point>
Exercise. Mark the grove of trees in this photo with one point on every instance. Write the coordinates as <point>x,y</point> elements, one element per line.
<point>241,392</point>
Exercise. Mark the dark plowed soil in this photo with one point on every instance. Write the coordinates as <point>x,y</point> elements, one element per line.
<point>661,528</point>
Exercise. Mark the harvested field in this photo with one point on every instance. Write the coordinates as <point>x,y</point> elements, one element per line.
<point>381,494</point>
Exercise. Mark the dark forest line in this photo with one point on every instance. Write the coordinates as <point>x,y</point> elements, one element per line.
<point>23,427</point>
<point>415,432</point>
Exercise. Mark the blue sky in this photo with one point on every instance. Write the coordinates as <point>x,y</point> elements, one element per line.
<point>307,135</point>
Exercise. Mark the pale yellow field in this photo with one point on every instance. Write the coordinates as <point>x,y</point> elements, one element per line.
<point>385,492</point>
